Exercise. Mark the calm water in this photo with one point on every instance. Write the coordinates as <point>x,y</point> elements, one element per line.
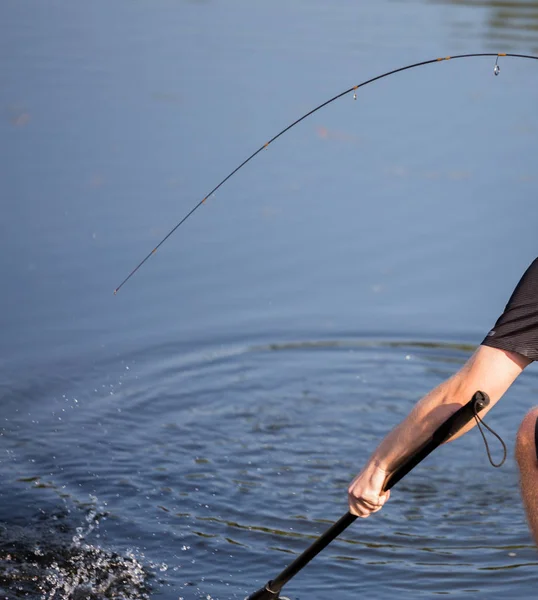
<point>188,437</point>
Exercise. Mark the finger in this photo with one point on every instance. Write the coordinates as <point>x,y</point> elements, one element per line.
<point>369,502</point>
<point>359,512</point>
<point>360,508</point>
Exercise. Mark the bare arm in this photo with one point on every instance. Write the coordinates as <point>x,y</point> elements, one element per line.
<point>489,370</point>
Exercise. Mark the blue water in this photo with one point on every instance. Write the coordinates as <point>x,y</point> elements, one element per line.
<point>187,437</point>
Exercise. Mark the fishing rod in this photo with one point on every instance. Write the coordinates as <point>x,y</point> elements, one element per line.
<point>496,70</point>
<point>479,401</point>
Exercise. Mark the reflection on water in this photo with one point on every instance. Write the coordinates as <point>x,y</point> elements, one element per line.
<point>511,24</point>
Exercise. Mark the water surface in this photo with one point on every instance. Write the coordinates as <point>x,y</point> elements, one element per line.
<point>188,437</point>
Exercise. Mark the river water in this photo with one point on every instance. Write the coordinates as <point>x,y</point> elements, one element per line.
<point>186,438</point>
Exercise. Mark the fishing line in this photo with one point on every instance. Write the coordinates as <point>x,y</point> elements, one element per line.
<point>496,71</point>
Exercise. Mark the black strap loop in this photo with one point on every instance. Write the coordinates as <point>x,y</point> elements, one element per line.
<point>480,421</point>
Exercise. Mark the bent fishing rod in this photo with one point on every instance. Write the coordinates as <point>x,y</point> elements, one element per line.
<point>496,70</point>
<point>445,431</point>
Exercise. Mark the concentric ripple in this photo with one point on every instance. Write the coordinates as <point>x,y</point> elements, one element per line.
<point>218,466</point>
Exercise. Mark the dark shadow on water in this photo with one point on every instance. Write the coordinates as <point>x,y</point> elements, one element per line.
<point>510,24</point>
<point>362,343</point>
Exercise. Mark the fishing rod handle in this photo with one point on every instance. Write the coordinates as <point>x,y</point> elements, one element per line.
<point>442,434</point>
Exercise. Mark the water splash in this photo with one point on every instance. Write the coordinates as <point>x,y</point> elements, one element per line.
<point>47,561</point>
<point>91,573</point>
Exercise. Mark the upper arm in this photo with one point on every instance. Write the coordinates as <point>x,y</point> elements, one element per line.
<point>489,370</point>
<point>493,370</point>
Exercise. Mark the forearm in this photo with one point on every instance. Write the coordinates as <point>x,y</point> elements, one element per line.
<point>488,370</point>
<point>366,492</point>
<point>425,417</point>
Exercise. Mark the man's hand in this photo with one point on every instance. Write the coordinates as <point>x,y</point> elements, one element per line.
<point>365,493</point>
